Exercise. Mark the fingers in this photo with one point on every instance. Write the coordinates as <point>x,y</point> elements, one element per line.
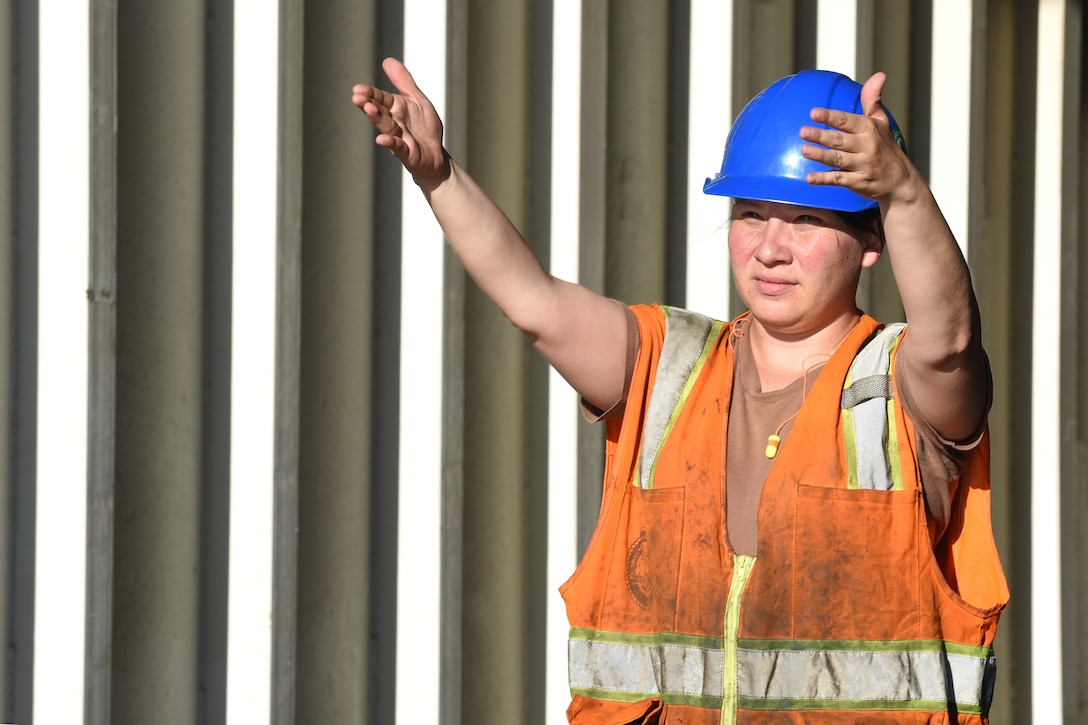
<point>848,122</point>
<point>363,93</point>
<point>376,112</point>
<point>834,158</point>
<point>871,107</point>
<point>829,137</point>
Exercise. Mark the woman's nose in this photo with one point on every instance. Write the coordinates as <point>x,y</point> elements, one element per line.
<point>772,247</point>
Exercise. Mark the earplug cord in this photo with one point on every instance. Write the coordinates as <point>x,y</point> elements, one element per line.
<point>775,439</point>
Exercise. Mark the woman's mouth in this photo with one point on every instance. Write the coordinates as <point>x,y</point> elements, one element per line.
<point>773,285</point>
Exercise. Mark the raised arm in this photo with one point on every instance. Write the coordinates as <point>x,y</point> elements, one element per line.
<point>581,333</point>
<point>942,351</point>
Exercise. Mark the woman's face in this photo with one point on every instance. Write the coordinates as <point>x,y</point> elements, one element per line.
<point>797,267</point>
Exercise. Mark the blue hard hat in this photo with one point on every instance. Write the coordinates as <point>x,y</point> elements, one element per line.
<point>763,158</point>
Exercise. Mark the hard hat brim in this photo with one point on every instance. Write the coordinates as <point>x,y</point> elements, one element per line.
<point>786,190</point>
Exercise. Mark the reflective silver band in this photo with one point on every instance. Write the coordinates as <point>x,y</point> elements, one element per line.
<point>862,676</point>
<point>870,444</point>
<point>683,351</point>
<point>785,674</point>
<point>649,670</point>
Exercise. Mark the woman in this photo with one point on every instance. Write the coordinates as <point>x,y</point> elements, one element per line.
<point>843,573</point>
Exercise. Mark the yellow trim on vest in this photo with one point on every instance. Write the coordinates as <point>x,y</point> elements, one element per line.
<point>742,570</point>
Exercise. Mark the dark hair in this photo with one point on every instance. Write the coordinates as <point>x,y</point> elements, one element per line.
<point>866,221</point>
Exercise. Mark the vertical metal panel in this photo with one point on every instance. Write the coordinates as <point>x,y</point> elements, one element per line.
<point>1075,370</point>
<point>710,114</point>
<point>24,356</point>
<point>8,125</point>
<point>419,554</point>
<point>765,31</point>
<point>253,386</point>
<point>160,266</point>
<point>288,251</point>
<point>497,126</point>
<point>541,591</point>
<point>336,401</point>
<point>1072,371</point>
<point>455,535</point>
<point>60,617</point>
<point>566,193</point>
<point>385,382</point>
<point>637,127</point>
<point>1047,636</point>
<point>101,371</point>
<point>215,423</point>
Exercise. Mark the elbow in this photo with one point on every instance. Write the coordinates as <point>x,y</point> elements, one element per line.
<point>957,350</point>
<point>946,347</point>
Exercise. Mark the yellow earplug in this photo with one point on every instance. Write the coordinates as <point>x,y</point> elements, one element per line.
<point>772,446</point>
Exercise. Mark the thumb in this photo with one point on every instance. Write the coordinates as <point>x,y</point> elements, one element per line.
<point>400,77</point>
<point>870,95</point>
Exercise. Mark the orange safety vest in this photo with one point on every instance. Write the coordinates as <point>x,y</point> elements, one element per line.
<point>847,614</point>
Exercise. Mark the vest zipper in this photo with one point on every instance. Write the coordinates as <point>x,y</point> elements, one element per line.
<point>742,569</point>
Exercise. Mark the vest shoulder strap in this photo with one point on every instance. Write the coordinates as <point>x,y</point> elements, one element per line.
<point>872,446</point>
<point>689,337</point>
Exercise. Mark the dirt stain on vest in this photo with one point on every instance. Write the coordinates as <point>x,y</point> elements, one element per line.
<point>638,574</point>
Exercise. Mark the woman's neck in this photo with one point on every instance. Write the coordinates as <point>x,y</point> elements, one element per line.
<point>783,358</point>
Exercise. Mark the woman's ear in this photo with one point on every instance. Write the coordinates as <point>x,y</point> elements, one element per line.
<point>872,247</point>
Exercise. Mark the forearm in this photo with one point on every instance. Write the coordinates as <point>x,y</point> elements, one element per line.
<point>490,247</point>
<point>581,333</point>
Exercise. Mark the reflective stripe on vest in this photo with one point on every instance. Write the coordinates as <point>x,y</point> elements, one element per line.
<point>782,674</point>
<point>872,446</point>
<point>688,339</point>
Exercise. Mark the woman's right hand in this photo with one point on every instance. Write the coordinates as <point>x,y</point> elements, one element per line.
<point>407,125</point>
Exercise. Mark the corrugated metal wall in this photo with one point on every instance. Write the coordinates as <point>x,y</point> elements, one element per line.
<point>269,456</point>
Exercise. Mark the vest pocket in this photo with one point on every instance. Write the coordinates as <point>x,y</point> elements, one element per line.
<point>856,562</point>
<point>654,531</point>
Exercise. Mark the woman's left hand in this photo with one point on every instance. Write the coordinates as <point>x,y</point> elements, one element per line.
<point>861,150</point>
